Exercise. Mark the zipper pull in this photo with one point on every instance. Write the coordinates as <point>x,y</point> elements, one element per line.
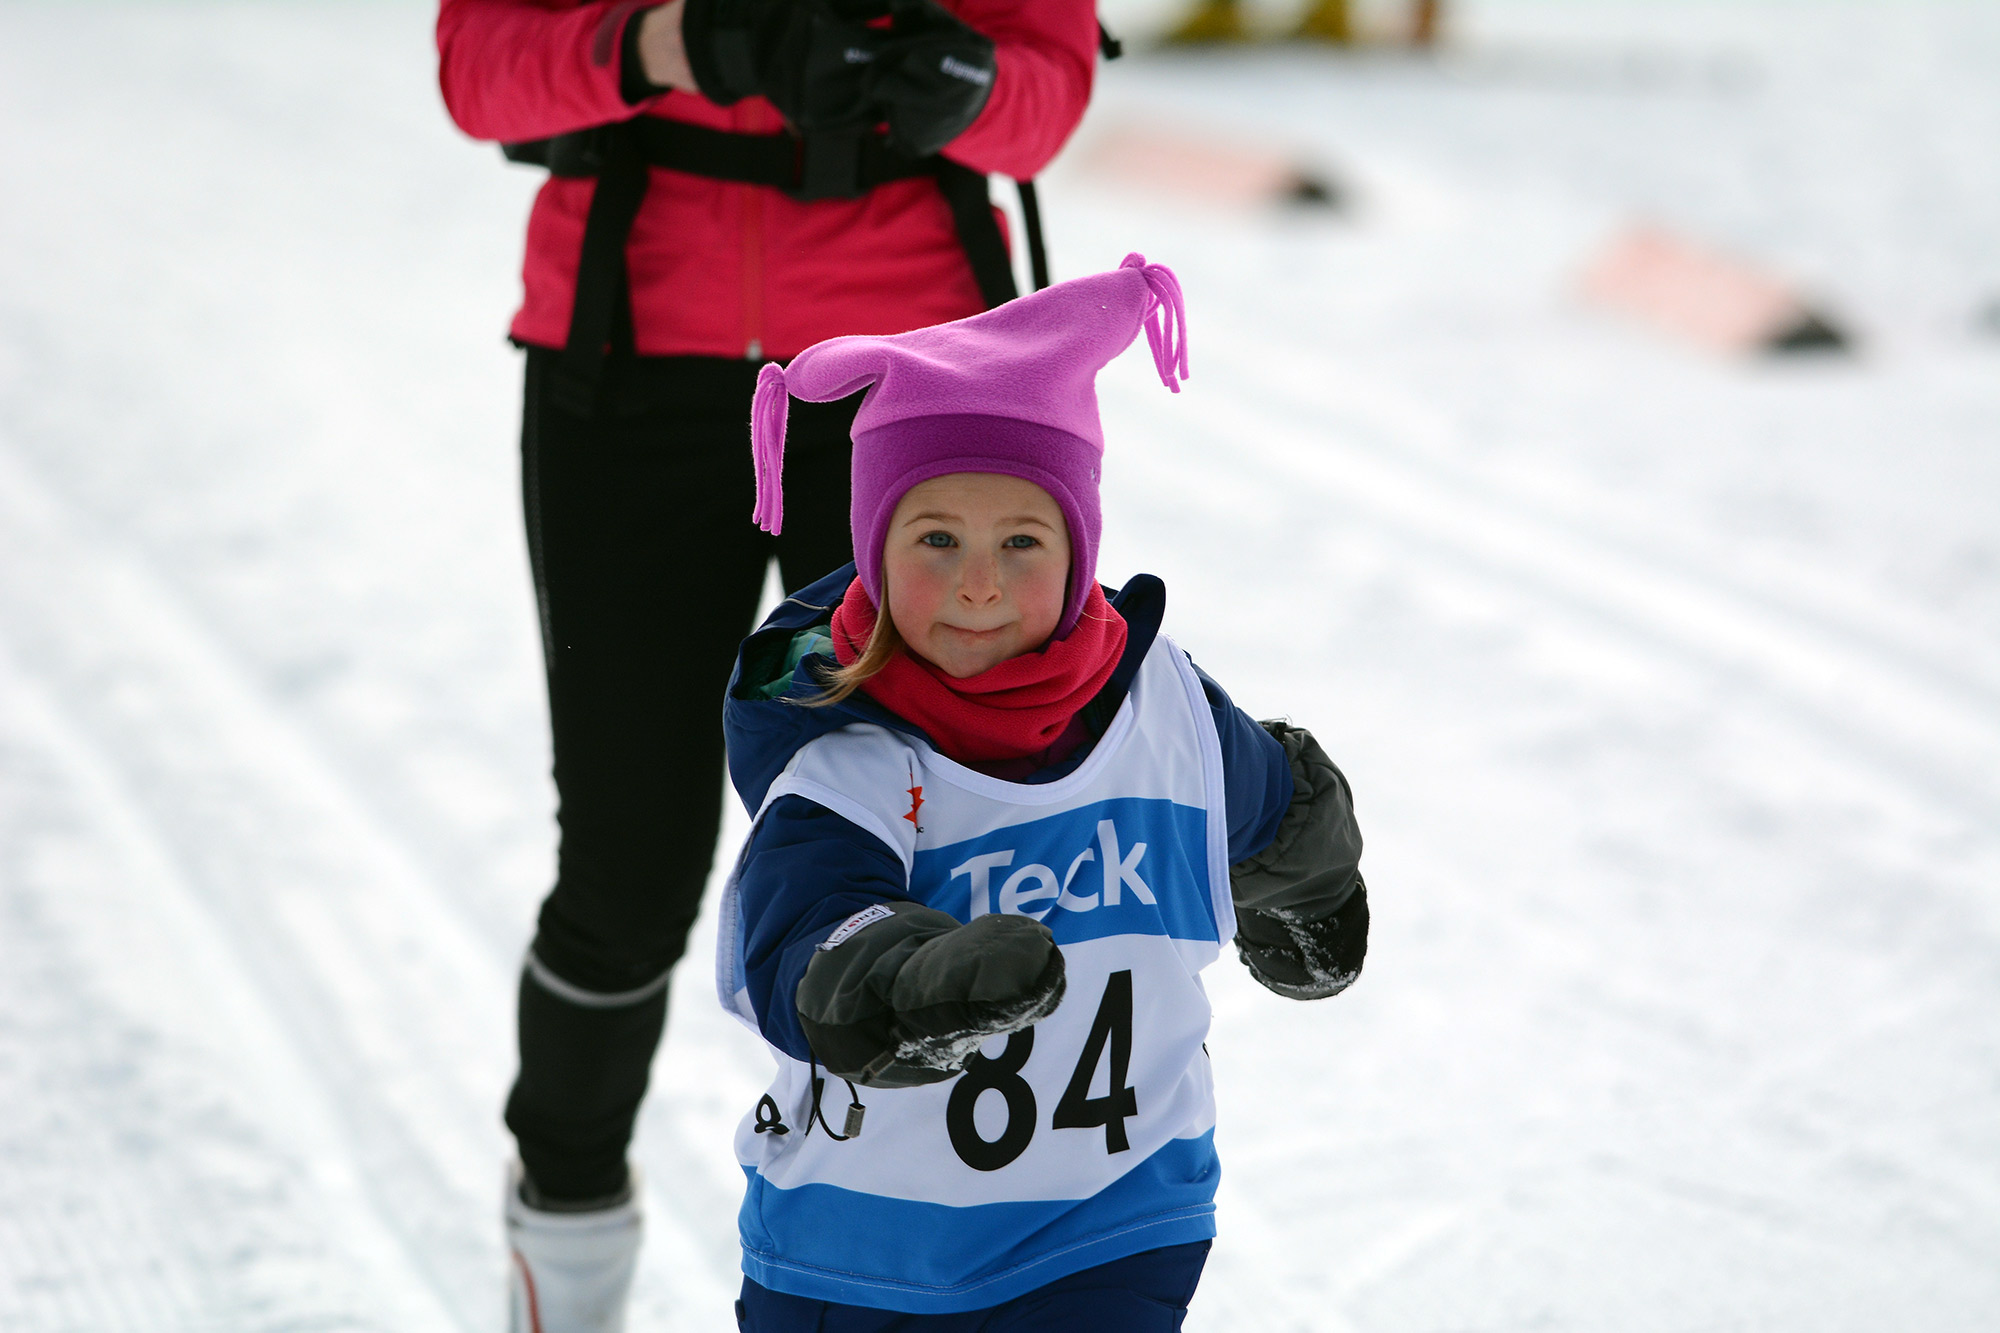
<point>855,1110</point>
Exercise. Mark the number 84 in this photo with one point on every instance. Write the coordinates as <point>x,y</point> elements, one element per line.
<point>1077,1109</point>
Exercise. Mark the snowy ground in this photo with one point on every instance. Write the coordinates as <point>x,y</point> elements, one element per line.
<point>1670,685</point>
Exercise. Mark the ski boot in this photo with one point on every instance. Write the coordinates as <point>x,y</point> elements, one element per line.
<point>569,1270</point>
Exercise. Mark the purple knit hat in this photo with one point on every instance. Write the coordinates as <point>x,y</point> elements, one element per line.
<point>1012,391</point>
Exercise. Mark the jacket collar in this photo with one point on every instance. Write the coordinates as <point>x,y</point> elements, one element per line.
<point>763,734</point>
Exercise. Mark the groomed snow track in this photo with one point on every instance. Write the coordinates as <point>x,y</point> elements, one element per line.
<point>1671,693</point>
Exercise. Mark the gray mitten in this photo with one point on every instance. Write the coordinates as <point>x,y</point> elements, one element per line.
<point>1305,958</point>
<point>903,994</point>
<point>1301,908</point>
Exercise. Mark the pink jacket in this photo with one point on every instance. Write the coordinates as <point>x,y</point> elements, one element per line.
<point>722,269</point>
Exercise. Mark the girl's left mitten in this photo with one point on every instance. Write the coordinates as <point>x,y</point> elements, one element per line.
<point>903,994</point>
<point>1301,906</point>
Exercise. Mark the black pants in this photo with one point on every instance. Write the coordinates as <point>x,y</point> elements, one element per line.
<point>647,573</point>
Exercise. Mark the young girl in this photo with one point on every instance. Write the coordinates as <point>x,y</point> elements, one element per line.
<point>1002,823</point>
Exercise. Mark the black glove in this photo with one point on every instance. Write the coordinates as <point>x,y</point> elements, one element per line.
<point>809,61</point>
<point>910,996</point>
<point>1303,958</point>
<point>928,76</point>
<point>932,79</point>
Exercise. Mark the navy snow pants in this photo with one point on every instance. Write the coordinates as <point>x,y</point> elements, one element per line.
<point>1142,1293</point>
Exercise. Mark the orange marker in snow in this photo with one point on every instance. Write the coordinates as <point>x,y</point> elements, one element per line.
<point>1215,171</point>
<point>1706,296</point>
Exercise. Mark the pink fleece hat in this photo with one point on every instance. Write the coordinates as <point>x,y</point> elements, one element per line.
<point>1012,391</point>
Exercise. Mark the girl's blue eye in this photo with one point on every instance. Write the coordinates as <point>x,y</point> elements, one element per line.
<point>1020,541</point>
<point>937,540</point>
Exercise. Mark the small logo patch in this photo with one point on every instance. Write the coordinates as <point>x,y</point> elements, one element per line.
<point>958,69</point>
<point>867,916</point>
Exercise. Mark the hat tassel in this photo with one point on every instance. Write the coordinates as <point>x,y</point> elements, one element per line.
<point>1168,340</point>
<point>768,411</point>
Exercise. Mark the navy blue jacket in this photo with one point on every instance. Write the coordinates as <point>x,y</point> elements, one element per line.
<point>807,869</point>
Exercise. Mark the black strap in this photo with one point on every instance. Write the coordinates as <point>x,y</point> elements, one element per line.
<point>1031,223</point>
<point>600,275</point>
<point>978,231</point>
<point>817,167</point>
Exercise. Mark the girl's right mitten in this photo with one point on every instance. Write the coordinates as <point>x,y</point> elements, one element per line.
<point>903,994</point>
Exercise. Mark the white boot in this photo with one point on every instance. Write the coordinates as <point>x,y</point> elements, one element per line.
<point>570,1272</point>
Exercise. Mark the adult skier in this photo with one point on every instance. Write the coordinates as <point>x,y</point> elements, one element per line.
<point>731,182</point>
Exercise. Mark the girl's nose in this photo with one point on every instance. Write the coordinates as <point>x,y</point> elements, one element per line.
<point>979,581</point>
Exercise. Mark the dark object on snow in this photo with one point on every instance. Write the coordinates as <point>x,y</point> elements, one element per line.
<point>1314,192</point>
<point>909,994</point>
<point>1988,318</point>
<point>1301,906</point>
<point>1213,171</point>
<point>1812,333</point>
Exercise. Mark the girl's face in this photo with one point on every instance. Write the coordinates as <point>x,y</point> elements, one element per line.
<point>976,566</point>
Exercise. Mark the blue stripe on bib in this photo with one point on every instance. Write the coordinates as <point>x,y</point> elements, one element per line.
<point>1125,866</point>
<point>831,1238</point>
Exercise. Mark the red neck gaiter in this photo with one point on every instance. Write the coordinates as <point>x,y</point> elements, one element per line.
<point>1010,711</point>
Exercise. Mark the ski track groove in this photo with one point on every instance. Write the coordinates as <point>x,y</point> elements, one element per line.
<point>315,990</point>
<point>139,842</point>
<point>366,968</point>
<point>1403,432</point>
<point>1577,571</point>
<point>267,938</point>
<point>1839,679</point>
<point>1843,672</point>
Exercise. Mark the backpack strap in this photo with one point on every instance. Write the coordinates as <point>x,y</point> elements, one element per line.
<point>600,275</point>
<point>825,166</point>
<point>978,231</point>
<point>832,166</point>
<point>1031,223</point>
